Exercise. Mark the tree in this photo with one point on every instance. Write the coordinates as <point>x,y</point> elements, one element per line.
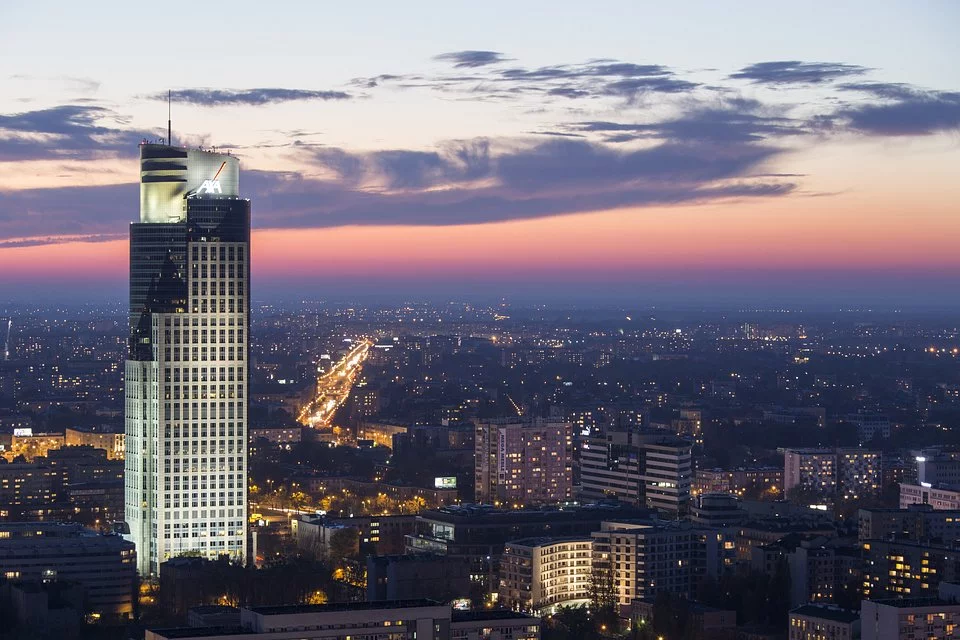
<point>344,543</point>
<point>575,623</point>
<point>602,590</point>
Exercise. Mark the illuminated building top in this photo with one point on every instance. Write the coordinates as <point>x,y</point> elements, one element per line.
<point>169,174</point>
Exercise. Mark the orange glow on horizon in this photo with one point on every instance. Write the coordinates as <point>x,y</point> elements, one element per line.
<point>790,234</point>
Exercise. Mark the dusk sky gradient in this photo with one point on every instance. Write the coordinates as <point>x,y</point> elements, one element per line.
<point>714,153</point>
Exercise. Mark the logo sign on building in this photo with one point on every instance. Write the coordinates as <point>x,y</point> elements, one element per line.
<point>210,186</point>
<point>23,433</point>
<point>445,482</point>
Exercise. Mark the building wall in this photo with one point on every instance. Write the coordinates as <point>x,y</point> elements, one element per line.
<point>937,497</point>
<point>104,565</point>
<point>648,470</point>
<point>811,627</point>
<point>908,620</point>
<point>540,575</point>
<point>524,462</point>
<point>186,380</point>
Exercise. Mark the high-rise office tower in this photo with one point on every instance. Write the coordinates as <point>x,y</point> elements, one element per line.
<point>648,469</point>
<point>186,376</point>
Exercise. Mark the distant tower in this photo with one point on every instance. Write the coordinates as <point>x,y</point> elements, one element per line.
<point>186,377</point>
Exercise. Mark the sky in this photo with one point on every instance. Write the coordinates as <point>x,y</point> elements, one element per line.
<point>690,152</point>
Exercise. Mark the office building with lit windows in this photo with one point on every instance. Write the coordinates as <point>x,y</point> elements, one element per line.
<point>643,469</point>
<point>186,376</point>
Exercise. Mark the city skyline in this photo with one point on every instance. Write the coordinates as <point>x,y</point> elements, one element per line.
<point>689,163</point>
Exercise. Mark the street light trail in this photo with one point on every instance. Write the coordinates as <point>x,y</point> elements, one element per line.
<point>333,388</point>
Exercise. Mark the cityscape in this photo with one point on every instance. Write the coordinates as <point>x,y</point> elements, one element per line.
<point>380,393</point>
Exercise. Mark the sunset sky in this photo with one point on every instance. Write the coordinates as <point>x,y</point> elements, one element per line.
<point>722,152</point>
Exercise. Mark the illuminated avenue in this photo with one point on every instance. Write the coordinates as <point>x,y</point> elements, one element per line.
<point>333,387</point>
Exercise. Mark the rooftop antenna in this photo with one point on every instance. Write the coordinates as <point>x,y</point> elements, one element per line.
<point>169,126</point>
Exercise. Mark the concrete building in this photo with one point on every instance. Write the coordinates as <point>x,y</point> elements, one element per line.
<point>396,620</point>
<point>540,574</point>
<point>905,569</point>
<point>317,535</point>
<point>652,470</point>
<point>909,619</point>
<point>523,461</point>
<point>858,473</point>
<point>939,497</point>
<point>479,532</point>
<point>870,425</point>
<point>644,558</point>
<point>716,510</point>
<point>916,522</point>
<point>938,467</point>
<point>110,439</point>
<point>708,623</point>
<point>26,484</point>
<point>47,552</point>
<point>848,474</point>
<point>186,380</point>
<point>739,482</point>
<point>493,625</point>
<point>821,622</point>
<point>432,577</point>
<point>279,435</point>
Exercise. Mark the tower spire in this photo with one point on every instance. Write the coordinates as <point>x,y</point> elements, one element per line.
<point>169,126</point>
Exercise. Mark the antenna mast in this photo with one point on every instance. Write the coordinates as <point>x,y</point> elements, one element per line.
<point>169,126</point>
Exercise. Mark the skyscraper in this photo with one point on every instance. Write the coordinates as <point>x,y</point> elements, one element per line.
<point>186,376</point>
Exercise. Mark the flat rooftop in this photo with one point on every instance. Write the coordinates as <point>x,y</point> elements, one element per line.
<point>827,613</point>
<point>343,606</point>
<point>201,632</point>
<point>491,614</point>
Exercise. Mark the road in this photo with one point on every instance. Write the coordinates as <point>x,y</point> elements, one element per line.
<point>333,387</point>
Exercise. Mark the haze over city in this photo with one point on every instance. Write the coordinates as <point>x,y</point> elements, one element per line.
<point>497,321</point>
<point>551,150</point>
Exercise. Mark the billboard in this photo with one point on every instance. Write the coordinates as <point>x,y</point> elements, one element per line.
<point>445,482</point>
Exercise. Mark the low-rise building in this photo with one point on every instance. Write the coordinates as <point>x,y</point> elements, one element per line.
<point>104,565</point>
<point>108,438</point>
<point>432,577</point>
<point>907,569</point>
<point>708,623</point>
<point>939,497</point>
<point>716,510</point>
<point>821,622</point>
<point>909,619</point>
<point>740,482</point>
<point>396,620</point>
<point>916,522</point>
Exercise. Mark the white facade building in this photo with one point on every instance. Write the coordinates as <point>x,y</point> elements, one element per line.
<point>186,377</point>
<point>909,619</point>
<point>540,574</point>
